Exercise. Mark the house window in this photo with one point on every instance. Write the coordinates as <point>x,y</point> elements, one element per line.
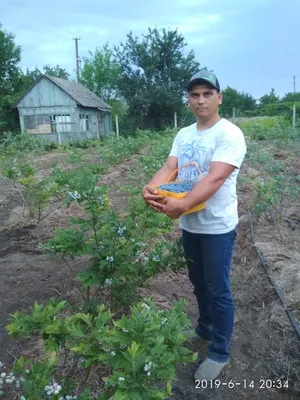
<point>84,121</point>
<point>61,123</point>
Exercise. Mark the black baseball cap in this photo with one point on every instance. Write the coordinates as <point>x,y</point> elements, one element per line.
<point>204,77</point>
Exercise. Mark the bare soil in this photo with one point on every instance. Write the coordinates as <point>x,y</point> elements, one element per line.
<point>264,345</point>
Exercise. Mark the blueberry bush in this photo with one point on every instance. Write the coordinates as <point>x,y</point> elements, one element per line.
<point>127,342</point>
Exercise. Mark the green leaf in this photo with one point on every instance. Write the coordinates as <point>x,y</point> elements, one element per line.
<point>135,396</point>
<point>169,388</point>
<point>133,349</point>
<point>53,328</point>
<point>119,396</point>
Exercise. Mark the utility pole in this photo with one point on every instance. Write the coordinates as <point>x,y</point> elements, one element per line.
<point>294,105</point>
<point>117,126</point>
<point>294,84</point>
<point>77,57</point>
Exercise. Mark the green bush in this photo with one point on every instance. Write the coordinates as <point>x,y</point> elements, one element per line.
<point>269,128</point>
<point>284,109</point>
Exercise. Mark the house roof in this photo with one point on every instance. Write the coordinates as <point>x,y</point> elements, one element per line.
<point>81,94</point>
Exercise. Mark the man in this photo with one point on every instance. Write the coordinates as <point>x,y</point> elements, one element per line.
<point>218,147</point>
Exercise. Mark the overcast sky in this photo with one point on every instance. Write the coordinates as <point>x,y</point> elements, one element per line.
<point>252,45</point>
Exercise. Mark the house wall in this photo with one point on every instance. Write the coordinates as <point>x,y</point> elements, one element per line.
<point>37,120</point>
<point>47,111</point>
<point>65,136</point>
<point>93,121</point>
<point>44,94</point>
<point>100,120</point>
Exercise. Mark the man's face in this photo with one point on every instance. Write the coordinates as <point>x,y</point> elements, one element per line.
<point>204,101</point>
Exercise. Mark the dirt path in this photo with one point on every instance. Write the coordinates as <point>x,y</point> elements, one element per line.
<point>260,350</point>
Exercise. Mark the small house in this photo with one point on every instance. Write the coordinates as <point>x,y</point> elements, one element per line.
<point>59,110</point>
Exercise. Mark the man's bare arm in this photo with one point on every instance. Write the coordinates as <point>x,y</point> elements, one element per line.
<point>162,174</point>
<point>149,193</point>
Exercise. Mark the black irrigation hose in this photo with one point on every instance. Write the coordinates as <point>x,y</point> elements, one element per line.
<point>289,313</point>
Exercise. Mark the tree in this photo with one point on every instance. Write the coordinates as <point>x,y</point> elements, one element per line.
<point>154,74</point>
<point>100,73</point>
<point>271,98</point>
<point>239,100</point>
<point>291,97</point>
<point>10,56</point>
<point>56,71</point>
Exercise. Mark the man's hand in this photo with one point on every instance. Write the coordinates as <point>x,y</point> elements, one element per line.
<point>173,208</point>
<point>150,196</point>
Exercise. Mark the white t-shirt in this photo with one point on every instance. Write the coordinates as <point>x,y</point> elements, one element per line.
<point>223,142</point>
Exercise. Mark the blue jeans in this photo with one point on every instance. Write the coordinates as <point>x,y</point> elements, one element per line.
<point>208,259</point>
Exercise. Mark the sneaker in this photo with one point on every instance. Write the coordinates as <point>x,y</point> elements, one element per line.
<point>193,335</point>
<point>209,370</point>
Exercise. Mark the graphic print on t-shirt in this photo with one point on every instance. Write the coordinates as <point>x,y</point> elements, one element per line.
<point>195,152</point>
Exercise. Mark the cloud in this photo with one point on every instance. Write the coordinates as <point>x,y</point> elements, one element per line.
<point>199,24</point>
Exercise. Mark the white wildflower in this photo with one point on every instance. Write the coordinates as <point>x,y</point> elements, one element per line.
<point>145,260</point>
<point>27,371</point>
<point>108,282</point>
<point>124,330</point>
<point>148,373</point>
<point>74,195</point>
<point>110,259</point>
<point>3,375</point>
<point>142,244</point>
<point>113,353</point>
<point>146,306</point>
<point>56,391</point>
<point>22,398</point>
<point>121,230</point>
<point>121,379</point>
